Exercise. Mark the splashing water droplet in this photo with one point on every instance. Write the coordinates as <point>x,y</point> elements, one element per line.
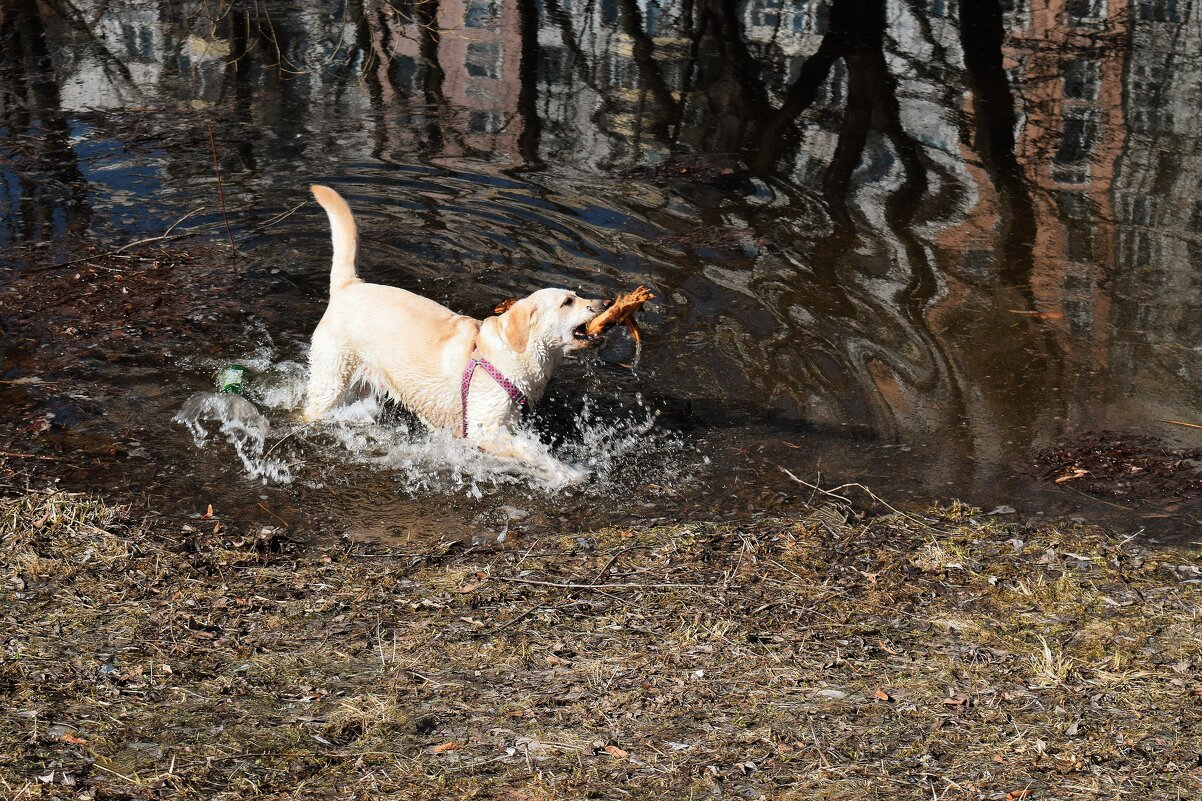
<point>602,454</point>
<point>243,426</point>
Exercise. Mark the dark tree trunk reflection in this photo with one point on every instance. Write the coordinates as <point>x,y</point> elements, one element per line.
<point>37,133</point>
<point>982,34</point>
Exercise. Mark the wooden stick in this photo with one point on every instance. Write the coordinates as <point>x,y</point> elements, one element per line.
<point>165,236</point>
<point>622,311</point>
<point>287,436</point>
<point>833,493</point>
<point>161,236</point>
<point>1180,423</point>
<point>220,191</point>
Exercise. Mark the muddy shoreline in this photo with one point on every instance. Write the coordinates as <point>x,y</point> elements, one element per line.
<point>823,654</point>
<point>101,348</point>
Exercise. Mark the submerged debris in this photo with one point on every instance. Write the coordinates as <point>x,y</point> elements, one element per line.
<point>822,656</point>
<point>1124,466</point>
<point>708,169</point>
<point>719,238</point>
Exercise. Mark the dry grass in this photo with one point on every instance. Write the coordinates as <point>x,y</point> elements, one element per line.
<point>804,658</point>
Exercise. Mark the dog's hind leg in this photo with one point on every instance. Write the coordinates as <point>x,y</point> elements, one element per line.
<point>330,371</point>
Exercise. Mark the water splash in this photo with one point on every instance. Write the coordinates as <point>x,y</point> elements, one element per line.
<point>613,453</point>
<point>242,425</point>
<point>634,447</point>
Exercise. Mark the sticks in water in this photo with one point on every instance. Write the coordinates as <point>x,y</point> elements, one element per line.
<point>220,190</point>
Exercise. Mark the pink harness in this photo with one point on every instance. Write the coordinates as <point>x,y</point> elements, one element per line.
<point>515,394</point>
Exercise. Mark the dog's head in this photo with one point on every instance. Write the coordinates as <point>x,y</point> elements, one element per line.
<point>553,318</point>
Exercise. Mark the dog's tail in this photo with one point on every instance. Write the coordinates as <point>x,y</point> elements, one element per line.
<point>344,234</point>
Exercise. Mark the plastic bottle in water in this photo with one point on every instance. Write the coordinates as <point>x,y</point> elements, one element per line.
<point>233,414</point>
<point>231,379</point>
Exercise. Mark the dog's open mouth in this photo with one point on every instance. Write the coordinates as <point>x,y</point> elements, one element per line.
<point>582,335</point>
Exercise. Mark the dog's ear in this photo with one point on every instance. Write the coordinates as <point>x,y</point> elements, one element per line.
<point>515,325</point>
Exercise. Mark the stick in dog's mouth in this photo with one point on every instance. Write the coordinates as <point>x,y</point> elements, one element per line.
<point>581,333</point>
<point>621,311</point>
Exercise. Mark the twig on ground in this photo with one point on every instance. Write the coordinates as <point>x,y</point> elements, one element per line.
<point>287,436</point>
<point>282,521</point>
<point>833,493</point>
<point>163,237</point>
<point>815,487</point>
<point>654,586</point>
<point>601,573</point>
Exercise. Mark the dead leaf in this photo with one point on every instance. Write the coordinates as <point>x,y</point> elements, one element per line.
<point>1019,795</point>
<point>71,738</point>
<point>998,758</point>
<point>615,752</point>
<point>954,701</point>
<point>442,749</point>
<point>881,695</point>
<point>466,588</point>
<point>208,515</point>
<point>1076,473</point>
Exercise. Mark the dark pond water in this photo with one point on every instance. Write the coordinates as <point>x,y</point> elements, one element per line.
<point>908,244</point>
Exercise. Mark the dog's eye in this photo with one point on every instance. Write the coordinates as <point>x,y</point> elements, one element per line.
<point>569,301</point>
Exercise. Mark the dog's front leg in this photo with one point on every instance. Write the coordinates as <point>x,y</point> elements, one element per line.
<point>501,442</point>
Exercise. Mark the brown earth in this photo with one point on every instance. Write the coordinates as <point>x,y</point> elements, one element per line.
<point>820,656</point>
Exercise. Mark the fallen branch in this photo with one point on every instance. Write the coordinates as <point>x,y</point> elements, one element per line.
<point>158,238</point>
<point>833,493</point>
<point>165,236</point>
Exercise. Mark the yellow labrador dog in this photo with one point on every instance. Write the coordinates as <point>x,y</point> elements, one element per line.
<point>471,377</point>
